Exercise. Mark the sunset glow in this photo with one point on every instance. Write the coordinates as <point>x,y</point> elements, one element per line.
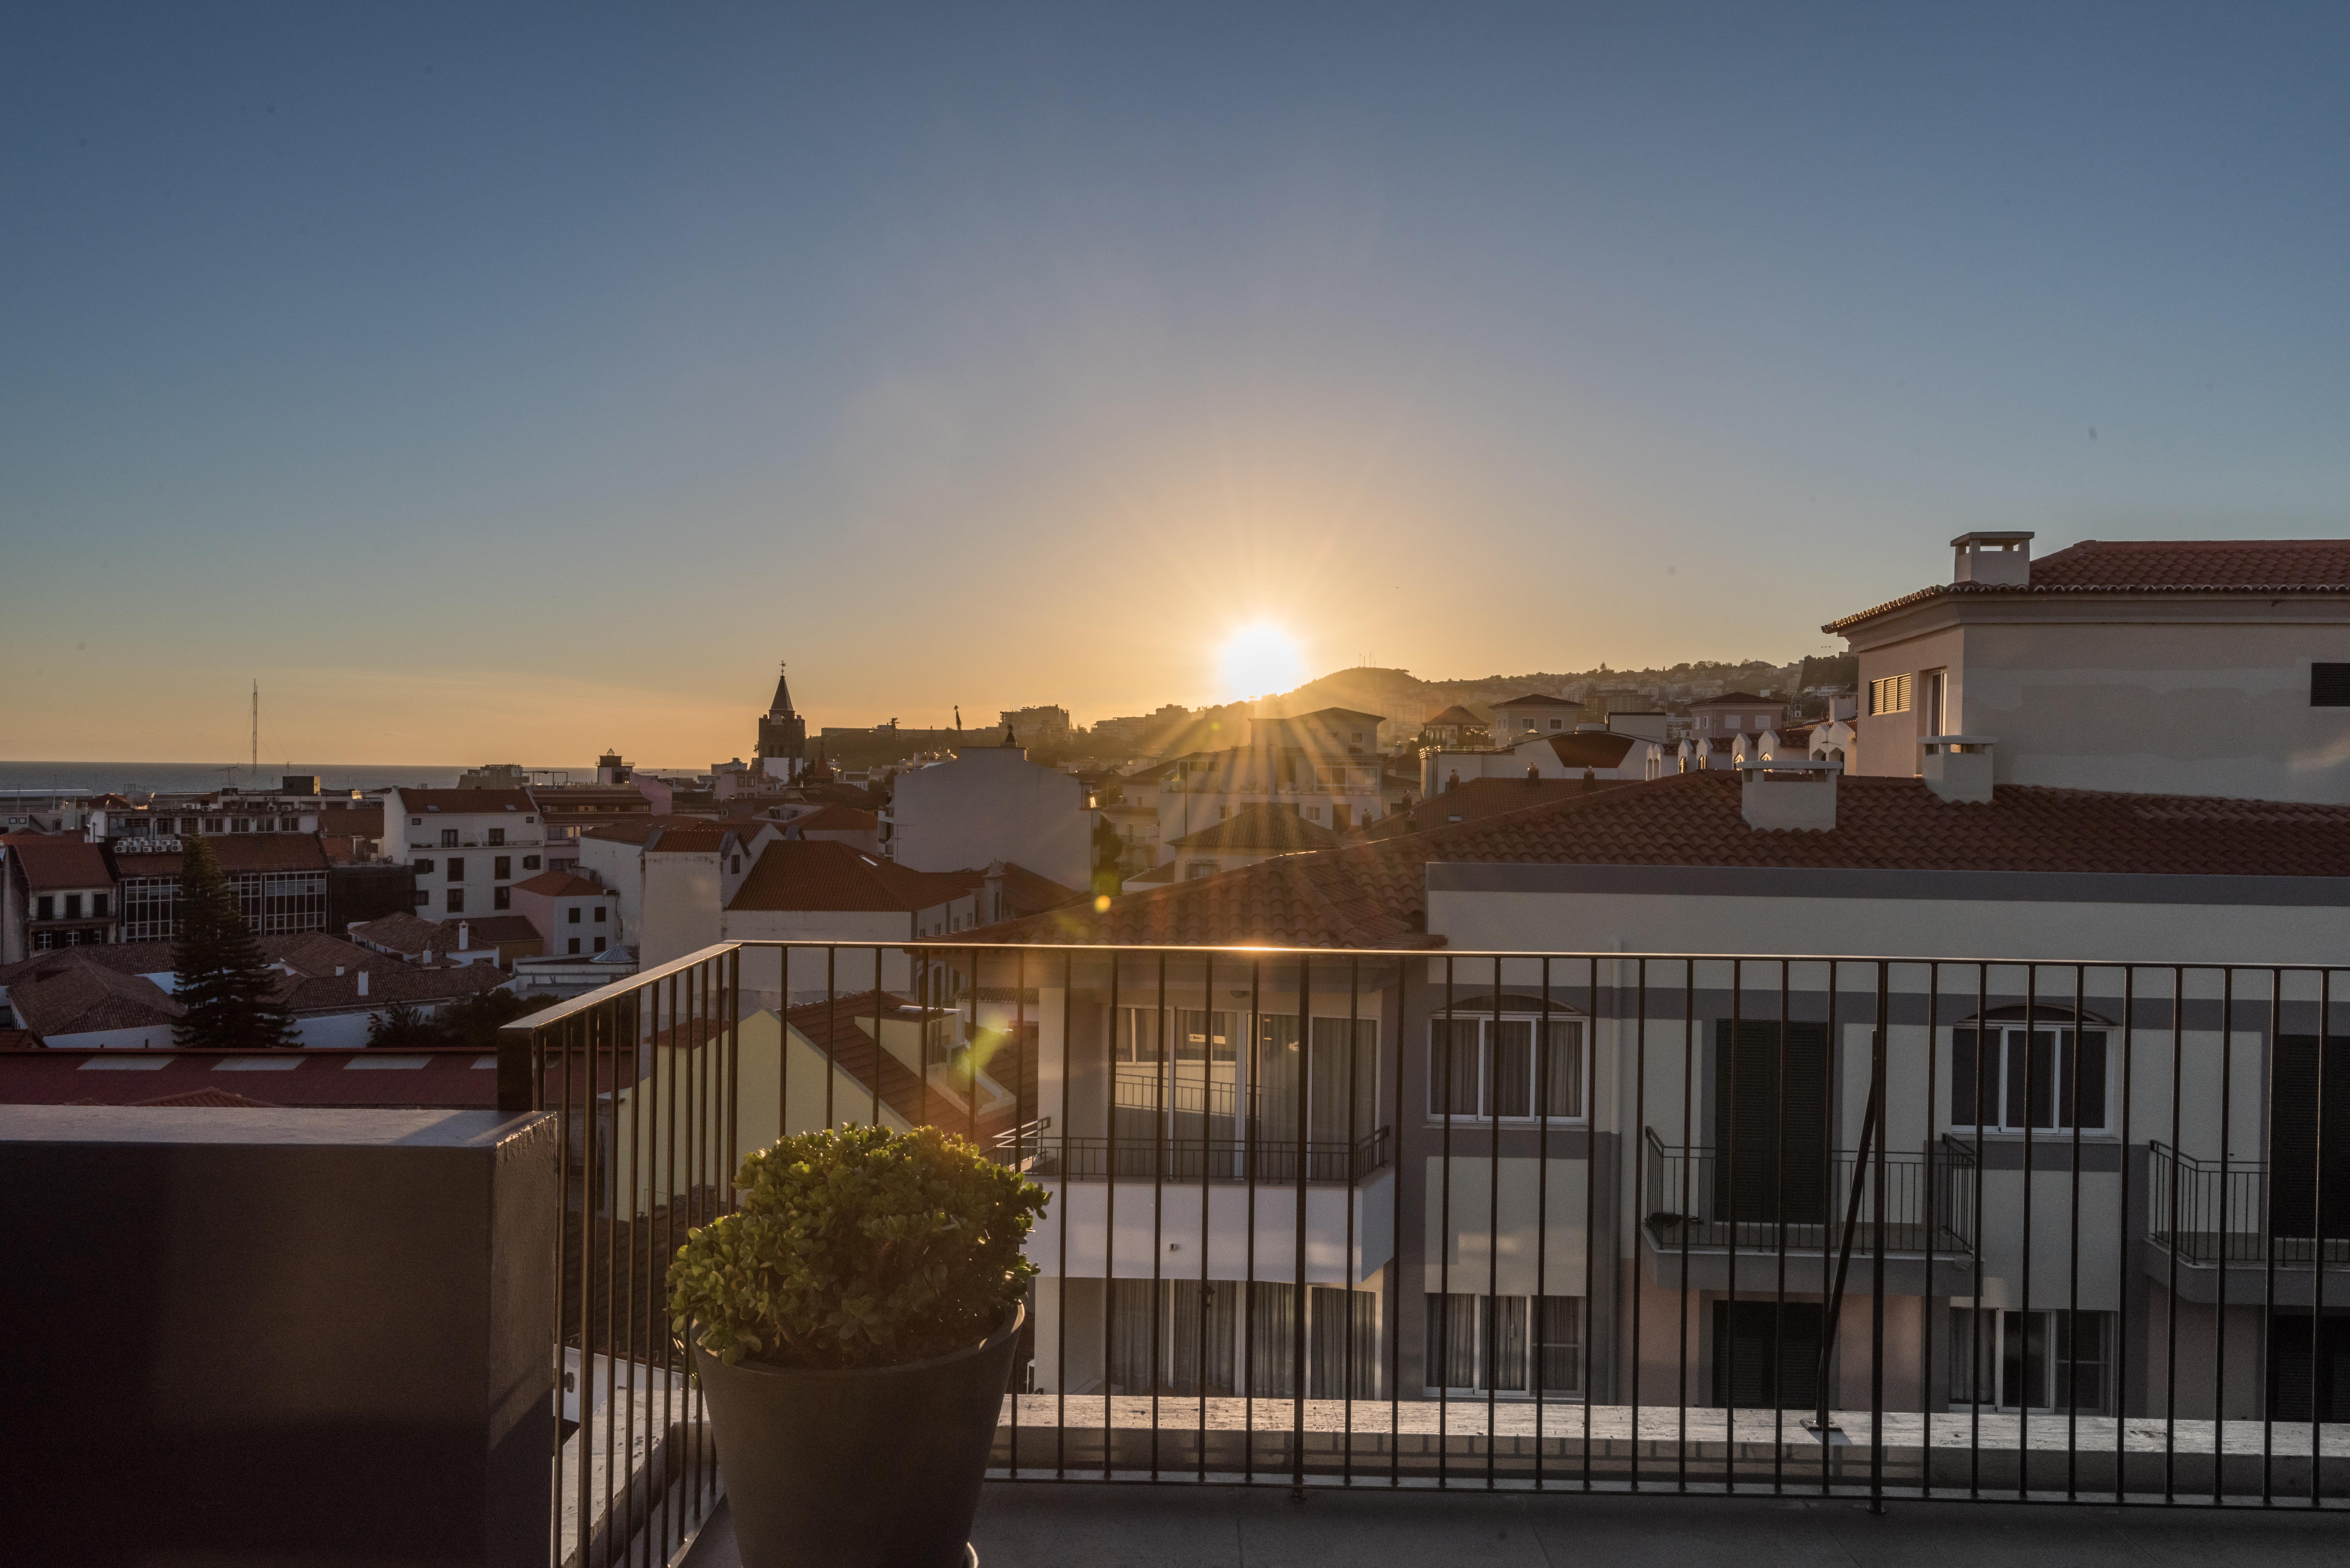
<point>1259,659</point>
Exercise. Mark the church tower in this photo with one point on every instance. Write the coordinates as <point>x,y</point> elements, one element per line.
<point>783,735</point>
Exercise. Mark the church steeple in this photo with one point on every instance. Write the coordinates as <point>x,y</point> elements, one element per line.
<point>783,733</point>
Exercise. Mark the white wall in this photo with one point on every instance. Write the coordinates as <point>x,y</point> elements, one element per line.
<point>992,803</point>
<point>680,906</point>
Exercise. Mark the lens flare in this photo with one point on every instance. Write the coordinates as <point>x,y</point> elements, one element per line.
<point>1260,659</point>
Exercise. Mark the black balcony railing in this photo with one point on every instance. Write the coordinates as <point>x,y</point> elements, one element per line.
<point>1927,1188</point>
<point>1689,1200</point>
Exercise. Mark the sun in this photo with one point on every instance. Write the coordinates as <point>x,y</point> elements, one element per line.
<point>1259,659</point>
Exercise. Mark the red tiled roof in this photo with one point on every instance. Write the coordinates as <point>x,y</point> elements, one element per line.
<point>678,834</point>
<point>1536,700</point>
<point>1375,894</point>
<point>402,933</point>
<point>490,930</point>
<point>1456,715</point>
<point>313,986</point>
<point>821,874</point>
<point>2163,566</point>
<point>66,993</point>
<point>837,819</point>
<point>209,1095</point>
<point>446,1079</point>
<point>55,861</point>
<point>1261,826</point>
<point>1737,700</point>
<point>237,852</point>
<point>455,800</point>
<point>835,1026</point>
<point>1031,893</point>
<point>1475,799</point>
<point>562,885</point>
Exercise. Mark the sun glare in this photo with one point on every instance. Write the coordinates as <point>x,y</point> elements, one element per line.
<point>1260,659</point>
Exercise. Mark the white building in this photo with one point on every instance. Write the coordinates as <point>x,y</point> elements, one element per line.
<point>2194,666</point>
<point>989,803</point>
<point>468,847</point>
<point>669,875</point>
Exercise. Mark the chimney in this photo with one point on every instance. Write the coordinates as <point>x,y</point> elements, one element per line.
<point>1956,768</point>
<point>1792,795</point>
<point>363,982</point>
<point>1992,560</point>
<point>464,935</point>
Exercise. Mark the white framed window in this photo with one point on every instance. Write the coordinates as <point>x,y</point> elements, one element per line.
<point>2039,1360</point>
<point>1890,695</point>
<point>1505,1344</point>
<point>2004,1077</point>
<point>1483,1068</point>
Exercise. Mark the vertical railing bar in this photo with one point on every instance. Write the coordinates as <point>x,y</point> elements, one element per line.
<point>1878,1074</point>
<point>1109,1222</point>
<point>1394,1324</point>
<point>2073,1250</point>
<point>1354,1069</point>
<point>2023,1359</point>
<point>1489,1083</point>
<point>2122,1234</point>
<point>1443,1379</point>
<point>1688,1216</point>
<point>656,1310</point>
<point>880,993</point>
<point>2220,1313</point>
<point>1725,1185</point>
<point>832,1030</point>
<point>2269,1247</point>
<point>611,1283</point>
<point>732,1056</point>
<point>1061,1302</point>
<point>1248,1105</point>
<point>1975,1362</point>
<point>2170,1289</point>
<point>2317,1221</point>
<point>1020,1110</point>
<point>1639,1132</point>
<point>1779,1217</point>
<point>1162,1128</point>
<point>673,1411</point>
<point>1207,1189</point>
<point>1930,1208</point>
<point>1303,1300</point>
<point>1586,1064</point>
<point>698,1003</point>
<point>1540,1062</point>
<point>562,1260</point>
<point>585,1382</point>
<point>1831,1293</point>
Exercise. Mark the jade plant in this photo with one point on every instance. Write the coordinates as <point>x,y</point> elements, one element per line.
<point>859,1247</point>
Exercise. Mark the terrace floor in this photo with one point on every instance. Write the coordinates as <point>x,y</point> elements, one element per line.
<point>1049,1525</point>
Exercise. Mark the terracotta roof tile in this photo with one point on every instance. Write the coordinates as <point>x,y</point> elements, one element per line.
<point>562,885</point>
<point>2162,567</point>
<point>417,801</point>
<point>55,861</point>
<point>1375,894</point>
<point>1475,799</point>
<point>821,874</point>
<point>1591,748</point>
<point>837,819</point>
<point>1261,826</point>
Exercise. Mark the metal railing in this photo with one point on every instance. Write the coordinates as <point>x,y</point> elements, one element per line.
<point>1595,1258</point>
<point>1793,1196</point>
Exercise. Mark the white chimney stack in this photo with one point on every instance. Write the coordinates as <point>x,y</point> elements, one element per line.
<point>1956,768</point>
<point>464,935</point>
<point>363,991</point>
<point>1991,559</point>
<point>1794,794</point>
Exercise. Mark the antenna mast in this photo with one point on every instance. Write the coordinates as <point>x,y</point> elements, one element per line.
<point>254,771</point>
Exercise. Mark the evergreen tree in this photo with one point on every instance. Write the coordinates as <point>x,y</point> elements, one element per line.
<point>225,985</point>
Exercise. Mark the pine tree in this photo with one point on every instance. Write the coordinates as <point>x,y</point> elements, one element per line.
<point>223,981</point>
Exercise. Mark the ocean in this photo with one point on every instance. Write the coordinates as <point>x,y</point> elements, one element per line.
<point>177,777</point>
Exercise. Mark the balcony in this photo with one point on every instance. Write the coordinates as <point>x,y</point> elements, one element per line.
<point>1270,1162</point>
<point>2233,1232</point>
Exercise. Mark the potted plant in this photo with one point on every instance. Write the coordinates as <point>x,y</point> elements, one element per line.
<point>852,1324</point>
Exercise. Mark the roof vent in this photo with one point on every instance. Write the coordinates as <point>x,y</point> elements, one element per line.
<point>1790,794</point>
<point>1994,560</point>
<point>1956,768</point>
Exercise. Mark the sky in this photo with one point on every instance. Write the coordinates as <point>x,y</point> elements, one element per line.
<point>499,382</point>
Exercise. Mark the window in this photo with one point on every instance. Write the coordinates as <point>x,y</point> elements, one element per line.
<point>1491,1068</point>
<point>1733,722</point>
<point>1200,868</point>
<point>45,907</point>
<point>1558,723</point>
<point>2037,1083</point>
<point>2034,1360</point>
<point>456,900</point>
<point>600,914</point>
<point>600,944</point>
<point>241,824</point>
<point>571,916</point>
<point>73,906</point>
<point>575,944</point>
<point>1505,1344</point>
<point>415,822</point>
<point>530,819</point>
<point>1890,695</point>
<point>2329,685</point>
<point>734,867</point>
<point>502,897</point>
<point>97,906</point>
<point>497,835</point>
<point>501,868</point>
<point>456,868</point>
<point>424,867</point>
<point>530,862</point>
<point>288,824</point>
<point>448,838</point>
<point>422,898</point>
<point>1938,688</point>
<point>212,825</point>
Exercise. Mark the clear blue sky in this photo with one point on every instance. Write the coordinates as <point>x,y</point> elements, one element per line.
<point>515,382</point>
